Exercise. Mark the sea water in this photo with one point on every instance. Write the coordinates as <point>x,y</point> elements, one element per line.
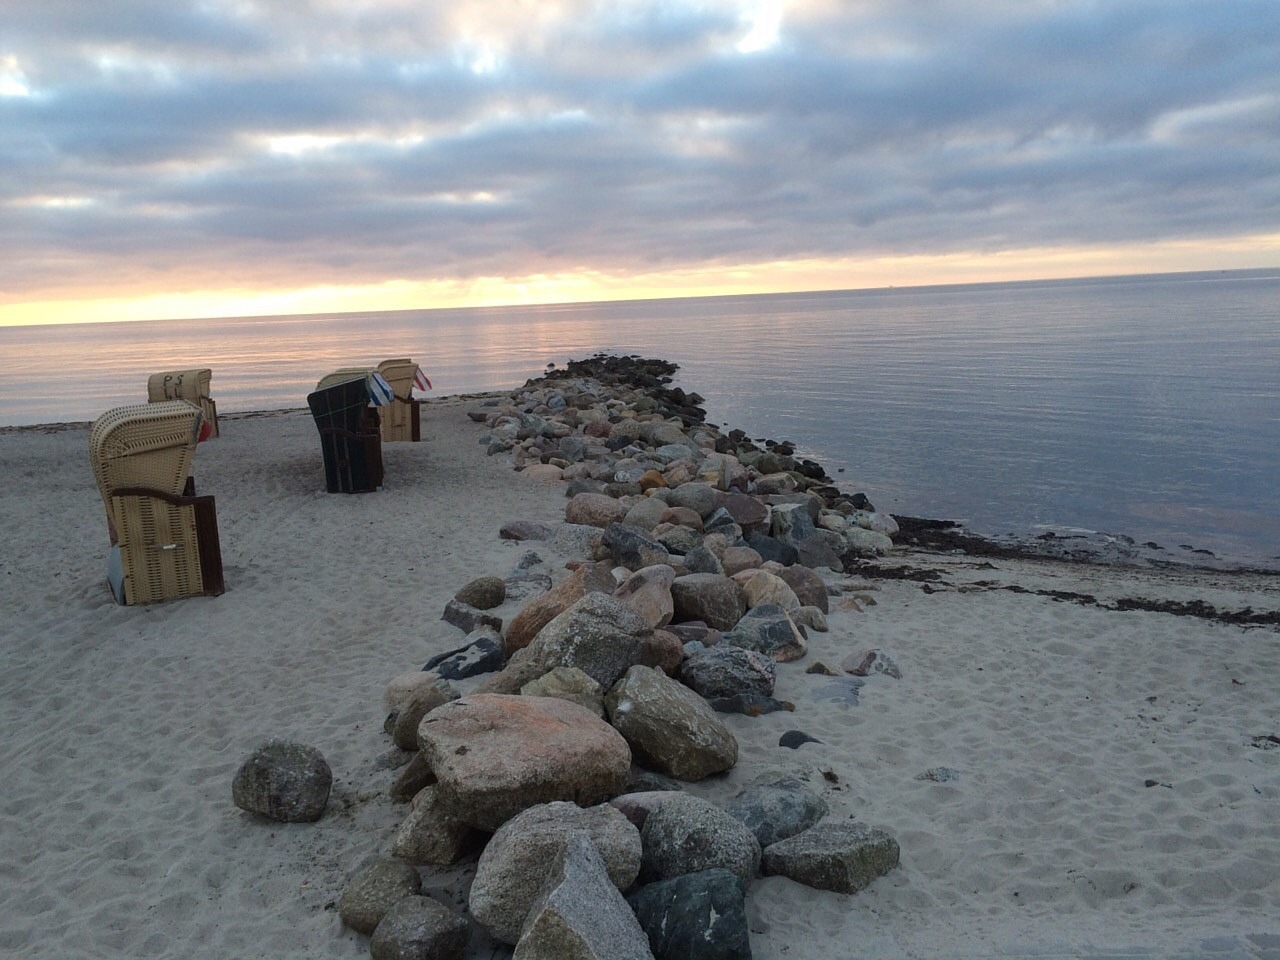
<point>1147,406</point>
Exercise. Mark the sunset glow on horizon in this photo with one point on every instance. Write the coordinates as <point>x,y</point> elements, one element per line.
<point>210,160</point>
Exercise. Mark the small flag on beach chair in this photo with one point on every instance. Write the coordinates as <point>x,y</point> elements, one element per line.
<point>380,392</point>
<point>420,380</point>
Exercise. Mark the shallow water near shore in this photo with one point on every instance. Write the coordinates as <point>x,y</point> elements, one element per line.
<point>1147,406</point>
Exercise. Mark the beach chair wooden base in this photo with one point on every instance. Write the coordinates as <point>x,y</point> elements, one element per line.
<point>168,545</point>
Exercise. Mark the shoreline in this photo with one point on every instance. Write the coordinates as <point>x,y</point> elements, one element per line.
<point>118,835</point>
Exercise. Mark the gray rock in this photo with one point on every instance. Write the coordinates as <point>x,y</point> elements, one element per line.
<point>725,671</point>
<point>813,618</point>
<point>283,780</point>
<point>645,515</point>
<point>777,810</point>
<point>648,593</point>
<point>816,552</point>
<point>750,704</point>
<point>430,834</point>
<point>713,599</point>
<point>722,522</point>
<point>699,916</point>
<point>939,775</point>
<point>767,629</point>
<point>792,525</point>
<point>809,588</point>
<point>482,653</point>
<point>669,727</point>
<point>525,530</point>
<point>597,634</point>
<point>701,560</point>
<point>844,856</point>
<point>794,739</point>
<point>421,702</point>
<point>871,661</point>
<point>413,777</point>
<point>867,543</point>
<point>677,538</point>
<point>579,914</point>
<point>700,497</point>
<point>567,683</point>
<point>772,549</point>
<point>632,549</point>
<point>684,834</point>
<point>582,485</point>
<point>483,593</point>
<point>467,618</point>
<point>580,541</point>
<point>374,891</point>
<point>646,781</point>
<point>517,860</point>
<point>522,586</point>
<point>419,928</point>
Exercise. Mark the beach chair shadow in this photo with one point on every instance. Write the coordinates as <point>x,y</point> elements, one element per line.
<point>164,538</point>
<point>350,439</point>
<point>189,385</point>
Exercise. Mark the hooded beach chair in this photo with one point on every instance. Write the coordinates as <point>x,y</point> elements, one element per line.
<point>349,437</point>
<point>402,418</point>
<point>189,385</point>
<point>164,539</point>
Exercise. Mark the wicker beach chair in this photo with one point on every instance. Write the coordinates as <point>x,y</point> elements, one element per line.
<point>402,418</point>
<point>164,538</point>
<point>349,435</point>
<point>189,385</point>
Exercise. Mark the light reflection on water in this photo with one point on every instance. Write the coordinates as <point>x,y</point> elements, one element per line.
<point>1149,406</point>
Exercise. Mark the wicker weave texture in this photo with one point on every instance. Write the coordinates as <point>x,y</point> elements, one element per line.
<point>189,385</point>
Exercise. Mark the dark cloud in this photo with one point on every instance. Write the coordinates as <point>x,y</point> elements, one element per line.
<point>494,138</point>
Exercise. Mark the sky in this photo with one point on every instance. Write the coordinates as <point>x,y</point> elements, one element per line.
<point>161,158</point>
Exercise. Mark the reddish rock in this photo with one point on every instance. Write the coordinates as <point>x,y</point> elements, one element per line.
<point>648,593</point>
<point>652,479</point>
<point>737,559</point>
<point>538,612</point>
<point>594,510</point>
<point>809,588</point>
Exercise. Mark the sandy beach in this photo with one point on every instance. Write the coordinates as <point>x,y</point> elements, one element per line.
<point>1111,790</point>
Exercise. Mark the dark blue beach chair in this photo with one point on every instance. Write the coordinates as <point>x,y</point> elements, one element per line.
<point>349,436</point>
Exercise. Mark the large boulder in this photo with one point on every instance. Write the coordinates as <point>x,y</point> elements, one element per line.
<point>684,834</point>
<point>702,498</point>
<point>579,541</point>
<point>598,635</point>
<point>594,510</point>
<point>374,891</point>
<point>567,683</point>
<point>669,727</point>
<point>646,514</point>
<point>425,699</point>
<point>737,559</point>
<point>699,916</point>
<point>430,834</point>
<point>579,914</point>
<point>481,653</point>
<point>767,629</point>
<point>778,810</point>
<point>761,587</point>
<point>714,599</point>
<point>483,593</point>
<point>631,548</point>
<point>648,593</point>
<point>283,780</point>
<point>810,589</point>
<point>419,928</point>
<point>538,612</point>
<point>725,671</point>
<point>517,860</point>
<point>747,512</point>
<point>841,855</point>
<point>791,524</point>
<point>494,756</point>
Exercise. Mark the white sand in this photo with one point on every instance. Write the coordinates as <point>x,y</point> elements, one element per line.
<point>123,726</point>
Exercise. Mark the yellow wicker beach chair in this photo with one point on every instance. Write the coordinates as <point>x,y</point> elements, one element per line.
<point>402,418</point>
<point>164,538</point>
<point>189,385</point>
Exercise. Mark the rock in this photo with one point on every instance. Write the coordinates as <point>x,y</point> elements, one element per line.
<point>580,542</point>
<point>494,756</point>
<point>646,781</point>
<point>774,483</point>
<point>816,552</point>
<point>374,891</point>
<point>662,650</point>
<point>684,834</point>
<point>594,510</point>
<point>701,560</point>
<point>722,522</point>
<point>695,631</point>
<point>419,928</point>
<point>567,683</point>
<point>542,473</point>
<point>483,593</point>
<point>823,668</point>
<point>771,549</point>
<point>699,916</point>
<point>403,686</point>
<point>518,859</point>
<point>424,700</point>
<point>583,485</point>
<point>482,653</point>
<point>726,671</point>
<point>684,516</point>
<point>813,618</point>
<point>669,727</point>
<point>467,618</point>
<point>702,498</point>
<point>737,559</point>
<point>795,738</point>
<point>871,661</point>
<point>632,549</point>
<point>524,586</point>
<point>283,780</point>
<point>760,587</point>
<point>413,777</point>
<point>677,538</point>
<point>598,635</point>
<point>430,834</point>
<point>648,593</point>
<point>713,599</point>
<point>942,775</point>
<point>525,530</point>
<point>579,914</point>
<point>767,629</point>
<point>747,512</point>
<point>809,588</point>
<point>843,856</point>
<point>665,433</point>
<point>540,611</point>
<point>775,811</point>
<point>750,704</point>
<point>646,514</point>
<point>652,479</point>
<point>867,543</point>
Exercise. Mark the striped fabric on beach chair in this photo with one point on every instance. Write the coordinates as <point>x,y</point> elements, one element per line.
<point>189,385</point>
<point>164,539</point>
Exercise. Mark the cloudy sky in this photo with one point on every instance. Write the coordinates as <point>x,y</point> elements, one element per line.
<point>168,158</point>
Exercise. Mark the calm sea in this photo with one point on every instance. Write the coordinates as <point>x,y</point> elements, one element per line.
<point>1146,405</point>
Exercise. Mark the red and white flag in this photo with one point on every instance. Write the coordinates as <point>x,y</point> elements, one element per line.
<point>420,380</point>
